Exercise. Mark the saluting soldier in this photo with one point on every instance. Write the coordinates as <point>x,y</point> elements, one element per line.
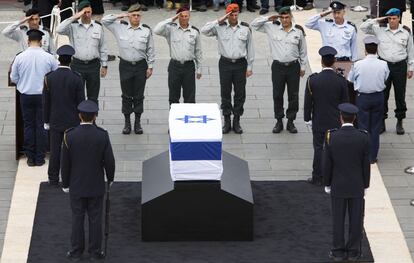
<point>87,38</point>
<point>235,46</point>
<point>324,92</point>
<point>62,92</point>
<point>186,56</point>
<point>288,47</point>
<point>369,76</point>
<point>86,158</point>
<point>396,48</point>
<point>136,49</point>
<point>347,176</point>
<point>17,31</point>
<point>337,32</point>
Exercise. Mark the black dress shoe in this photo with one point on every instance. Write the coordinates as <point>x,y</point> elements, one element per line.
<point>73,256</point>
<point>236,125</point>
<point>278,126</point>
<point>111,57</point>
<point>314,181</point>
<point>263,11</point>
<point>251,9</point>
<point>336,258</point>
<point>290,126</point>
<point>256,6</point>
<point>227,124</point>
<point>97,256</point>
<point>31,162</point>
<point>400,128</point>
<point>40,163</point>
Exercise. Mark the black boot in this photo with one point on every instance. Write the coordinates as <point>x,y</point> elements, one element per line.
<point>236,125</point>
<point>137,124</point>
<point>278,126</point>
<point>290,126</point>
<point>127,125</point>
<point>227,124</point>
<point>382,130</point>
<point>400,128</point>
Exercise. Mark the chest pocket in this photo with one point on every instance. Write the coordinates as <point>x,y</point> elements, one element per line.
<point>124,41</point>
<point>96,36</point>
<point>141,42</point>
<point>294,40</point>
<point>191,39</point>
<point>346,35</point>
<point>277,38</point>
<point>242,35</point>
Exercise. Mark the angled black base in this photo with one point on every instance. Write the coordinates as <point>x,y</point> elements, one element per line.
<point>196,210</point>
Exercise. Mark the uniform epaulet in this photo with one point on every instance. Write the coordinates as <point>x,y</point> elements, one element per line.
<point>363,131</point>
<point>173,24</point>
<point>222,24</point>
<point>244,24</point>
<point>352,24</point>
<point>301,29</point>
<point>75,22</point>
<point>193,27</point>
<point>407,28</point>
<point>23,27</point>
<point>123,22</point>
<point>329,20</point>
<point>147,26</point>
<point>328,135</point>
<point>308,82</point>
<point>276,22</point>
<point>97,22</point>
<point>46,29</point>
<point>65,136</point>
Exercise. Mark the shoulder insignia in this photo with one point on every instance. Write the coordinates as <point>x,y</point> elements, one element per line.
<point>23,27</point>
<point>147,26</point>
<point>308,83</point>
<point>276,22</point>
<point>222,24</point>
<point>123,22</point>
<point>363,131</point>
<point>173,23</point>
<point>329,20</point>
<point>352,24</point>
<point>97,22</point>
<point>65,136</point>
<point>244,24</point>
<point>75,22</point>
<point>407,28</point>
<point>196,29</point>
<point>301,29</point>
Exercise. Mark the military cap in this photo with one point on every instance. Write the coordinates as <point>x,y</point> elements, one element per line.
<point>371,40</point>
<point>88,106</point>
<point>285,10</point>
<point>336,5</point>
<point>393,12</point>
<point>182,9</point>
<point>34,34</point>
<point>232,8</point>
<point>327,51</point>
<point>348,108</point>
<point>134,8</point>
<point>83,4</point>
<point>65,50</point>
<point>32,11</point>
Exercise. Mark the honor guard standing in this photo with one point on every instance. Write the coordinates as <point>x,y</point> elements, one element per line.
<point>235,46</point>
<point>28,72</point>
<point>324,92</point>
<point>369,76</point>
<point>62,92</point>
<point>396,48</point>
<point>17,31</point>
<point>185,51</point>
<point>346,175</point>
<point>87,38</point>
<point>337,32</point>
<point>288,46</point>
<point>136,49</point>
<point>86,158</point>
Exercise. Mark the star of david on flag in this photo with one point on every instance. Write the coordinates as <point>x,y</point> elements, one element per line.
<point>195,119</point>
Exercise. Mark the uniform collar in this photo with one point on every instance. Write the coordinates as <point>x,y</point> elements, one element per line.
<point>328,69</point>
<point>228,24</point>
<point>292,28</point>
<point>347,125</point>
<point>184,29</point>
<point>138,27</point>
<point>86,123</point>
<point>400,27</point>
<point>82,24</point>
<point>371,56</point>
<point>343,25</point>
<point>64,67</point>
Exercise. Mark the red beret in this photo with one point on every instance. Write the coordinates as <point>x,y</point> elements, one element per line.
<point>232,8</point>
<point>182,9</point>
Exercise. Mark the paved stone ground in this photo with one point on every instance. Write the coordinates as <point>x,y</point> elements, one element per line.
<point>270,157</point>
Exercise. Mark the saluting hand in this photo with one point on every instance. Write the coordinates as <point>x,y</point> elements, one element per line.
<point>149,73</point>
<point>79,14</point>
<point>122,15</point>
<point>249,73</point>
<point>273,18</point>
<point>176,16</point>
<point>104,71</point>
<point>382,18</point>
<point>410,74</point>
<point>223,18</point>
<point>24,20</point>
<point>327,12</point>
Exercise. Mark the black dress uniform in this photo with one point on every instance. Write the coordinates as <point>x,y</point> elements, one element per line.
<point>347,173</point>
<point>324,92</point>
<point>63,91</point>
<point>86,156</point>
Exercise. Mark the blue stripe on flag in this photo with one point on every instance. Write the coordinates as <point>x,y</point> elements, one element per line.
<point>187,151</point>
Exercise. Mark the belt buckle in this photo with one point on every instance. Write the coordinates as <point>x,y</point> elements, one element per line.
<point>134,63</point>
<point>233,61</point>
<point>86,62</point>
<point>182,62</point>
<point>286,64</point>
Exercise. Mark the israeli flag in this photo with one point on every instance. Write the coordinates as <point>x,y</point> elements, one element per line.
<point>195,142</point>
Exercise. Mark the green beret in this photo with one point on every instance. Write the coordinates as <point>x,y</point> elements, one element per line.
<point>133,8</point>
<point>83,4</point>
<point>285,10</point>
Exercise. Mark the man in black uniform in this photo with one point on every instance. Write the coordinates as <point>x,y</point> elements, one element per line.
<point>86,156</point>
<point>62,92</point>
<point>324,92</point>
<point>346,173</point>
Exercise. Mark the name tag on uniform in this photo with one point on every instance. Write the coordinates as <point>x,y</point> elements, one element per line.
<point>96,35</point>
<point>347,34</point>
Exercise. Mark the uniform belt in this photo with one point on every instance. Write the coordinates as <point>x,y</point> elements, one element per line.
<point>131,62</point>
<point>231,60</point>
<point>372,93</point>
<point>285,63</point>
<point>343,59</point>
<point>394,63</point>
<point>182,62</point>
<point>85,61</point>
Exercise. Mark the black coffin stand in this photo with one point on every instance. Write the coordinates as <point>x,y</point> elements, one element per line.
<point>196,210</point>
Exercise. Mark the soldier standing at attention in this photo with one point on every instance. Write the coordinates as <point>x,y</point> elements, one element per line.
<point>62,92</point>
<point>346,176</point>
<point>324,92</point>
<point>87,38</point>
<point>396,48</point>
<point>288,47</point>
<point>186,56</point>
<point>235,46</point>
<point>86,158</point>
<point>17,31</point>
<point>337,32</point>
<point>136,50</point>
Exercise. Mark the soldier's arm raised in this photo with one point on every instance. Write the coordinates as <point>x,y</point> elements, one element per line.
<point>12,31</point>
<point>259,23</point>
<point>163,28</point>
